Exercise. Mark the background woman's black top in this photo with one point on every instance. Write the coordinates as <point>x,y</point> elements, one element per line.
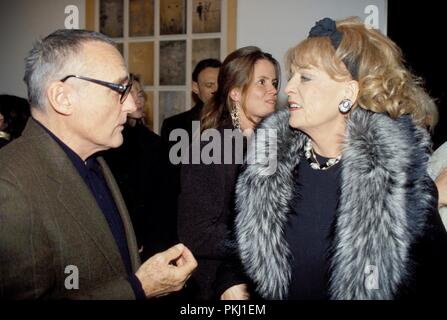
<point>206,216</point>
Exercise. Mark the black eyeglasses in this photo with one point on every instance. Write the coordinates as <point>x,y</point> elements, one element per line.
<point>121,89</point>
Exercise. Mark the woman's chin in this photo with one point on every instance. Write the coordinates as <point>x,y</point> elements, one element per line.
<point>293,123</point>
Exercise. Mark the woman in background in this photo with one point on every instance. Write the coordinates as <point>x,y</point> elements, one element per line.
<point>247,92</point>
<point>137,168</point>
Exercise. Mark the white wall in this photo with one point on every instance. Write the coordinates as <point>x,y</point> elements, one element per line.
<point>22,22</point>
<point>277,25</point>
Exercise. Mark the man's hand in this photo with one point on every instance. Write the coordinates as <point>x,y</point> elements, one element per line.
<point>167,271</point>
<point>441,184</point>
<point>237,292</point>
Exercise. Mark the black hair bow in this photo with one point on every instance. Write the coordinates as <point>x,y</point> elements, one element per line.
<point>326,28</point>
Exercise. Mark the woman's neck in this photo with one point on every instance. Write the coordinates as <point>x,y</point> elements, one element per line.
<point>330,148</point>
<point>328,143</point>
<point>246,124</point>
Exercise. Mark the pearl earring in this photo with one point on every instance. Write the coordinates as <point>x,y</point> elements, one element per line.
<point>345,105</point>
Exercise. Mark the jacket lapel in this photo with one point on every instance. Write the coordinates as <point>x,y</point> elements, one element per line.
<point>74,195</point>
<point>120,204</point>
<point>77,199</point>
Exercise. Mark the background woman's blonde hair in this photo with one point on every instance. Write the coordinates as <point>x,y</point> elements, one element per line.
<point>385,84</point>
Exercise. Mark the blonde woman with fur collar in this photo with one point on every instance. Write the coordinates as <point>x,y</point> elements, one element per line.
<point>350,212</point>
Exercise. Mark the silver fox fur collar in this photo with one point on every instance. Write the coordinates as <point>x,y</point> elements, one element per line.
<point>383,172</point>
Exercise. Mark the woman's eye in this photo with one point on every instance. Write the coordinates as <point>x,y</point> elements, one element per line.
<point>305,79</point>
<point>262,81</point>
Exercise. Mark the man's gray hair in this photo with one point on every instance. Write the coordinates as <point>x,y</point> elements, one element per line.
<point>48,57</point>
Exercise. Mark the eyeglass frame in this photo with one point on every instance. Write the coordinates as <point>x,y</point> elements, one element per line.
<point>121,89</point>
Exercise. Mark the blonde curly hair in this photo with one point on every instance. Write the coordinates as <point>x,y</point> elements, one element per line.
<point>385,84</point>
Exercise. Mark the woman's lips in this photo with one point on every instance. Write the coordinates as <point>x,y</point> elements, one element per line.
<point>294,106</point>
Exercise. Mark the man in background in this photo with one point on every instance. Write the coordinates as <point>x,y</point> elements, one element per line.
<point>204,85</point>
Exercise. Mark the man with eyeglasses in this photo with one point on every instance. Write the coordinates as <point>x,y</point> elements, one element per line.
<point>64,229</point>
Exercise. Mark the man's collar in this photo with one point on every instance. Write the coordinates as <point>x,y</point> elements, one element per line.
<point>74,157</point>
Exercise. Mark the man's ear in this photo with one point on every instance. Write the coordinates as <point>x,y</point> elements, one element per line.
<point>235,94</point>
<point>195,88</point>
<point>352,90</point>
<point>58,94</point>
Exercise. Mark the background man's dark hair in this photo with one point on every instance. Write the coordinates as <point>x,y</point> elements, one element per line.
<point>203,64</point>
